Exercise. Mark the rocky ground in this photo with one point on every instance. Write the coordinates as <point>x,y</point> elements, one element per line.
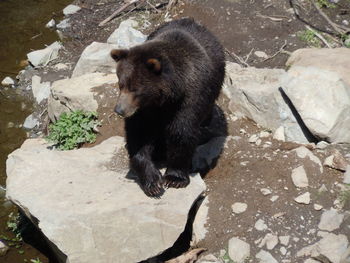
<point>269,200</point>
<point>253,196</point>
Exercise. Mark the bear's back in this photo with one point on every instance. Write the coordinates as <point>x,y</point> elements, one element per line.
<point>198,33</point>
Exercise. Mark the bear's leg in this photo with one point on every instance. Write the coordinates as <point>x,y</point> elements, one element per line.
<point>149,175</point>
<point>179,162</point>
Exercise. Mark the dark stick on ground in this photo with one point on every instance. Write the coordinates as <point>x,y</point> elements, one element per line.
<point>121,9</point>
<point>308,135</point>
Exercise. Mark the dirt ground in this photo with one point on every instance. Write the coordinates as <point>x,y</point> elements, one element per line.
<point>243,169</point>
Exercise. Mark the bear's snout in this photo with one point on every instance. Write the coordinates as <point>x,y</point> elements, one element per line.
<point>126,105</point>
<point>119,110</point>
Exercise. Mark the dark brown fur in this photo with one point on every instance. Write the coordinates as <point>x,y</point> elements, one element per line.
<point>168,88</point>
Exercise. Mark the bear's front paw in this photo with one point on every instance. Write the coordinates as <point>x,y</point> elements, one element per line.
<point>175,179</point>
<point>152,185</point>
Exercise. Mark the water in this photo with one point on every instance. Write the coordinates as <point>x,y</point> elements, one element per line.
<point>22,29</point>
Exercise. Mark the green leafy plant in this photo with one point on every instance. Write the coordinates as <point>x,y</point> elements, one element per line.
<point>12,225</point>
<point>37,260</point>
<point>73,129</point>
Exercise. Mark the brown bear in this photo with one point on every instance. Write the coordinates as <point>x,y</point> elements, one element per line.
<point>168,87</point>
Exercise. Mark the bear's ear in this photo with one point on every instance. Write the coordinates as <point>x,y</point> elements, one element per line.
<point>118,54</point>
<point>154,65</point>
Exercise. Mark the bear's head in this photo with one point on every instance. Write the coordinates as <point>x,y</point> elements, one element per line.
<point>142,74</point>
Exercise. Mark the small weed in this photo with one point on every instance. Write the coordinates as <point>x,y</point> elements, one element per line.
<point>12,225</point>
<point>310,38</point>
<point>37,260</point>
<point>326,4</point>
<point>73,129</point>
<point>226,258</point>
<point>346,40</point>
<point>344,195</point>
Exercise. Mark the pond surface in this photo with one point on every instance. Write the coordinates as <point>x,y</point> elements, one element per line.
<point>22,29</point>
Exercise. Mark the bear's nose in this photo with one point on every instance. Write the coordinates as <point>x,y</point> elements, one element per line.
<point>119,110</point>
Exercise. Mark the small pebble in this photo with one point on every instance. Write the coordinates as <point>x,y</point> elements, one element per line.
<point>284,240</point>
<point>274,198</point>
<point>303,199</point>
<point>265,191</point>
<point>318,207</point>
<point>260,225</point>
<point>239,208</point>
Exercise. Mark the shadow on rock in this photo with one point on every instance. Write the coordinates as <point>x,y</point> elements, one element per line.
<point>182,244</point>
<point>34,237</point>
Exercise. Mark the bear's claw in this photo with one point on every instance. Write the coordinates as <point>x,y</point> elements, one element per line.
<point>153,189</point>
<point>175,179</point>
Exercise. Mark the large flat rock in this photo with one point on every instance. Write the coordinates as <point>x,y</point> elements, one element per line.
<point>76,93</point>
<point>85,205</point>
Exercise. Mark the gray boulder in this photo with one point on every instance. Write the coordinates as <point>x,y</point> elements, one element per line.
<point>126,36</point>
<point>336,60</point>
<point>85,202</point>
<point>336,161</point>
<point>95,58</point>
<point>332,247</point>
<point>76,93</point>
<point>43,56</point>
<point>254,93</point>
<point>330,220</point>
<point>40,91</point>
<point>7,81</point>
<point>63,24</point>
<point>51,23</point>
<point>30,122</point>
<point>304,102</point>
<point>70,10</point>
<point>322,99</point>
